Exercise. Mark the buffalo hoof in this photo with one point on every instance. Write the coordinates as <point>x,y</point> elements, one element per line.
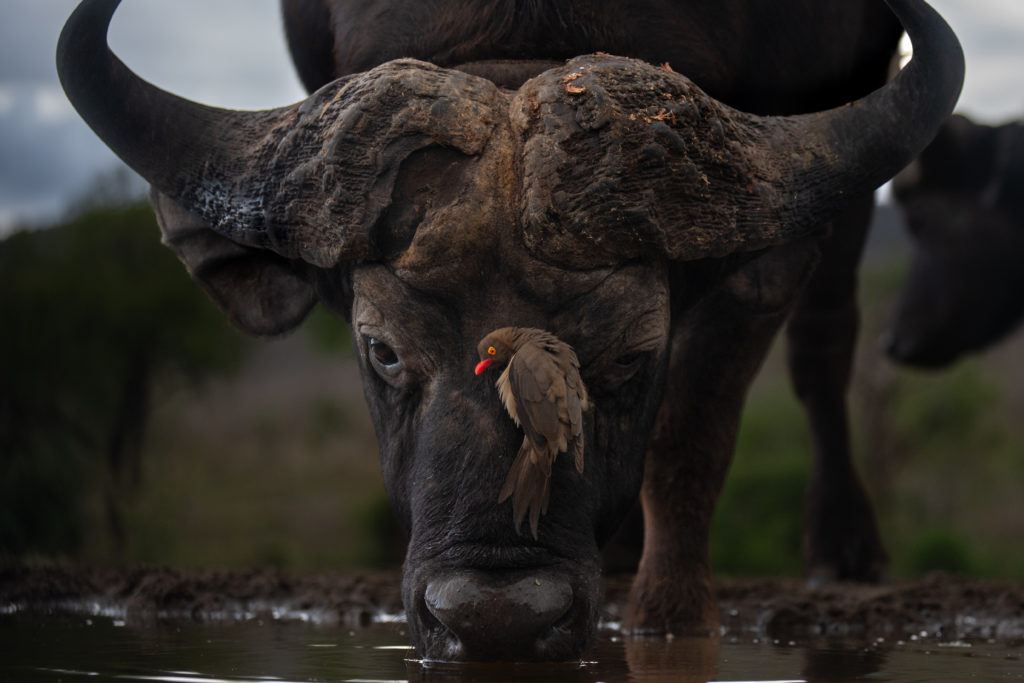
<point>857,555</point>
<point>821,576</point>
<point>476,616</point>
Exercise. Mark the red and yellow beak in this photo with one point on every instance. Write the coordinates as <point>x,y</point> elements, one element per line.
<point>483,365</point>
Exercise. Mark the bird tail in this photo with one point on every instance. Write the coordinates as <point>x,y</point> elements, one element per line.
<point>529,484</point>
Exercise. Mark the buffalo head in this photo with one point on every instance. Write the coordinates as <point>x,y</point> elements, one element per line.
<point>428,207</point>
<point>962,203</point>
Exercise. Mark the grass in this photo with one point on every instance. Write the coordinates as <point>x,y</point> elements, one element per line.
<point>279,471</point>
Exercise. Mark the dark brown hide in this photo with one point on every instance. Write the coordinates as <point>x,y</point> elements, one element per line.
<point>307,26</point>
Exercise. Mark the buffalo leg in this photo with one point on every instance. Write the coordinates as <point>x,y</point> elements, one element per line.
<point>716,351</point>
<point>842,541</point>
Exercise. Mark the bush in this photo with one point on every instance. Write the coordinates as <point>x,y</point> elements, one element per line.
<point>939,550</point>
<point>95,311</point>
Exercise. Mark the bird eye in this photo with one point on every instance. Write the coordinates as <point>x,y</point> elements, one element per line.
<point>491,350</point>
<point>383,357</point>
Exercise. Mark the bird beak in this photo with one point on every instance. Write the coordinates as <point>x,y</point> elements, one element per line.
<point>483,365</point>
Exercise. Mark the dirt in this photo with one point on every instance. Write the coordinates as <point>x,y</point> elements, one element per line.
<point>937,606</point>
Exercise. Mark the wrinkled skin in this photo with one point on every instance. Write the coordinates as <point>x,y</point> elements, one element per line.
<point>663,235</point>
<point>445,480</point>
<point>962,201</point>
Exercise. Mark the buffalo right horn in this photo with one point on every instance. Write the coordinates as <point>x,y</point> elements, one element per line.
<point>307,181</point>
<point>624,159</point>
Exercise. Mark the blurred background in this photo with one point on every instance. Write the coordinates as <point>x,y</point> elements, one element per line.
<point>136,426</point>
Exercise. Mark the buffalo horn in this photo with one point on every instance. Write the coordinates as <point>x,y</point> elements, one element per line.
<point>624,159</point>
<point>307,181</point>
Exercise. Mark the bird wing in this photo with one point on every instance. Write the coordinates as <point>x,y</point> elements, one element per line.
<point>574,423</point>
<point>538,388</point>
<point>576,402</point>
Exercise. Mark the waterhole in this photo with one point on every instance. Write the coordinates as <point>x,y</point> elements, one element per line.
<point>107,648</point>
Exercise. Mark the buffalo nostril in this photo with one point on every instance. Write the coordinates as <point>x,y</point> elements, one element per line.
<point>495,617</point>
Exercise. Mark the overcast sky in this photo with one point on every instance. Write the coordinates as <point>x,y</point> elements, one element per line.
<point>202,49</point>
<point>207,51</point>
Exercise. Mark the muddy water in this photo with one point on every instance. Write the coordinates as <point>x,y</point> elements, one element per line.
<point>98,648</point>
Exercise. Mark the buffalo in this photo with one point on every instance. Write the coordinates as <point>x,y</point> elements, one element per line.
<point>465,167</point>
<point>963,201</point>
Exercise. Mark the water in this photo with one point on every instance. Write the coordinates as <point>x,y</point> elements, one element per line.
<point>107,648</point>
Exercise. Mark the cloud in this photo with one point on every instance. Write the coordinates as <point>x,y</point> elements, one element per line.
<point>220,52</point>
<point>51,106</point>
<point>992,35</point>
<point>28,39</point>
<point>47,154</point>
<point>7,100</point>
<point>223,53</point>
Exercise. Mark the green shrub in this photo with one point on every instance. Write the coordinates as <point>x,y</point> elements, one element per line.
<point>939,550</point>
<point>758,524</point>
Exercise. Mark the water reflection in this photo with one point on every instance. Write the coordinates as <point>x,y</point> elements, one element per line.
<point>500,673</point>
<point>833,662</point>
<point>95,649</point>
<point>657,660</point>
<point>643,660</point>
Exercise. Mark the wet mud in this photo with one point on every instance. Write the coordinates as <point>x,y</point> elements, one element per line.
<point>938,605</point>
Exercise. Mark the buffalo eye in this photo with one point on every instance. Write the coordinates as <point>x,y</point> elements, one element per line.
<point>628,361</point>
<point>621,369</point>
<point>383,358</point>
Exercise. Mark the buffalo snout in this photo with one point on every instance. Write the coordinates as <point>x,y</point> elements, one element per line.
<point>472,615</point>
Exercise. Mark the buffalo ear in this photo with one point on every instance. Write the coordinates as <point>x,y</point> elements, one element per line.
<point>262,292</point>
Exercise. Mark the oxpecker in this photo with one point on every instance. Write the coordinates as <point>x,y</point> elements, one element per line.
<point>542,391</point>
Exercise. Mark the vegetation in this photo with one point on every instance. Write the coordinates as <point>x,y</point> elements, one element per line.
<point>941,454</point>
<point>95,313</point>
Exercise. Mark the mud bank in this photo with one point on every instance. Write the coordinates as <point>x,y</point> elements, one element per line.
<point>938,606</point>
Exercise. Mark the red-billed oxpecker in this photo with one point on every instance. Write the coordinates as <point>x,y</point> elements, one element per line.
<point>543,393</point>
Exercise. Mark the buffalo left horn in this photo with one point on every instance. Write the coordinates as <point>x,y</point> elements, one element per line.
<point>623,159</point>
<point>307,181</point>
